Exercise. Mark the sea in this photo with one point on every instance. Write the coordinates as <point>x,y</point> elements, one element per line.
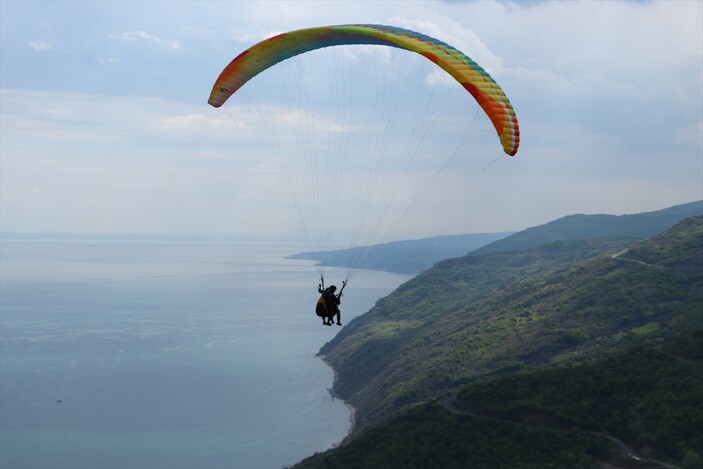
<point>123,354</point>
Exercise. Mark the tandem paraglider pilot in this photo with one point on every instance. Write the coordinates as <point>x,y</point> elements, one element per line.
<point>328,304</point>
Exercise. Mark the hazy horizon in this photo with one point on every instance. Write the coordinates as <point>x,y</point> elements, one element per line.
<point>194,237</point>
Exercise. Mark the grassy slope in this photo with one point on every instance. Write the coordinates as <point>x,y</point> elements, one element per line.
<point>430,437</point>
<point>648,397</point>
<point>652,399</point>
<point>483,316</point>
<point>635,226</point>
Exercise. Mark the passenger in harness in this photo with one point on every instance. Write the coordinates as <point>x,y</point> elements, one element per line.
<point>328,304</point>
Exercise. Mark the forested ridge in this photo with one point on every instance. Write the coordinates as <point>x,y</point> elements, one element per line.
<point>649,396</point>
<point>639,408</point>
<point>633,226</point>
<point>478,318</point>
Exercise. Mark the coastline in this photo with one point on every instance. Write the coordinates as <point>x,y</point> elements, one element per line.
<point>352,410</point>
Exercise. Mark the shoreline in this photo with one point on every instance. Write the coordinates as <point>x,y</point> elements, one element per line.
<point>352,410</point>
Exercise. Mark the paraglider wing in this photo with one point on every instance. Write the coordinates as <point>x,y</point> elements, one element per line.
<point>468,73</point>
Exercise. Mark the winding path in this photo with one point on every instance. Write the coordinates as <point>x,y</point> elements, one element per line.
<point>449,403</point>
<point>618,256</point>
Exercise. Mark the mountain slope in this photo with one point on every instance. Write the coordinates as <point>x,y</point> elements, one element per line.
<point>648,396</point>
<point>410,256</point>
<point>483,316</point>
<point>635,226</point>
<point>646,401</point>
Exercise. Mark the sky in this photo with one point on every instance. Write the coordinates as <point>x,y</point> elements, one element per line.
<point>105,126</point>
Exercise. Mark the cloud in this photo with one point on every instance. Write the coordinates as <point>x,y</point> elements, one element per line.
<point>200,124</point>
<point>42,46</point>
<point>107,60</point>
<point>144,36</point>
<point>458,36</point>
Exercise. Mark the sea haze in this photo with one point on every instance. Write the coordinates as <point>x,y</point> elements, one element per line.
<point>166,354</point>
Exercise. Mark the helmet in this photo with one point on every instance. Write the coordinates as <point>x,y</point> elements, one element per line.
<point>333,288</point>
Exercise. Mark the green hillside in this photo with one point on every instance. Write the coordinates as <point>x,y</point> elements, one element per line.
<point>648,397</point>
<point>484,316</point>
<point>414,256</point>
<point>635,226</point>
<point>648,401</point>
<point>430,437</point>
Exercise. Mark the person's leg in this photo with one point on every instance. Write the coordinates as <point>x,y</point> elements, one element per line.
<point>321,312</point>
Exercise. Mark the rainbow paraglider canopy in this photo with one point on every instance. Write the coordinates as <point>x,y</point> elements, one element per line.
<point>468,73</point>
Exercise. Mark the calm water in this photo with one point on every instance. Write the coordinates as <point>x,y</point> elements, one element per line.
<point>166,355</point>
